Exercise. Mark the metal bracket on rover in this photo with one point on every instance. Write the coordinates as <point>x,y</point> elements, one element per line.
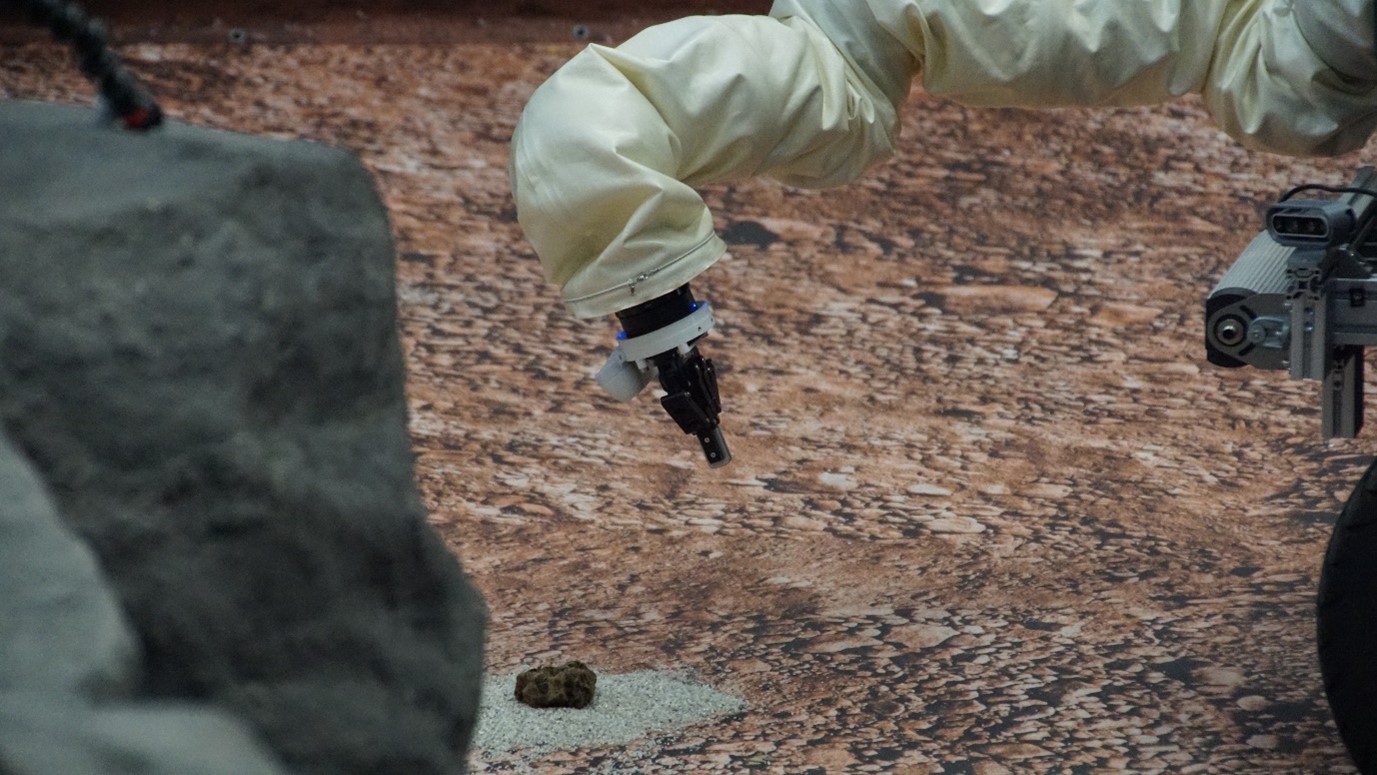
<point>1303,297</point>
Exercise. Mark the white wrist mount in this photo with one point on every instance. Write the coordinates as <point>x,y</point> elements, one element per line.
<point>629,368</point>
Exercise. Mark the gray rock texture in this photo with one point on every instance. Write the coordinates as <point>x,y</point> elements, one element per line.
<point>68,660</point>
<point>199,354</point>
<point>57,734</point>
<point>61,628</point>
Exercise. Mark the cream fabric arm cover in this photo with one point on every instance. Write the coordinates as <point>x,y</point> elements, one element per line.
<point>606,155</point>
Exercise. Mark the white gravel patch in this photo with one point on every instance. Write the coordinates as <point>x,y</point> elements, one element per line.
<point>625,707</point>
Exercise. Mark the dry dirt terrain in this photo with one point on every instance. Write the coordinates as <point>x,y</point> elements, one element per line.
<point>990,510</point>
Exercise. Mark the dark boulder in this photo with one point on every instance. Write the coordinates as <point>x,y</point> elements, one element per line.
<point>199,356</point>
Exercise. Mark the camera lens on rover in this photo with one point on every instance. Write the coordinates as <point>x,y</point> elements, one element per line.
<point>1230,331</point>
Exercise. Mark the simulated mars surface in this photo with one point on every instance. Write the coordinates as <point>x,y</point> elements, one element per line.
<point>990,511</point>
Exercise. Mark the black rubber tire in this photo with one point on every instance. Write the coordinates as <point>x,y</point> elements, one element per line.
<point>1346,623</point>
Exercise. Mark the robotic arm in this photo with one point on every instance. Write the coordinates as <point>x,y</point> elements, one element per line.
<point>609,151</point>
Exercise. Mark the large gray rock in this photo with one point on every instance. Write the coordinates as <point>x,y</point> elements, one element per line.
<point>198,351</point>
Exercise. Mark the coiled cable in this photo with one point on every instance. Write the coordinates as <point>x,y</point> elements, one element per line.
<point>122,93</point>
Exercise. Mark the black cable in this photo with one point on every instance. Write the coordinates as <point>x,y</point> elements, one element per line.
<point>124,95</point>
<point>1330,189</point>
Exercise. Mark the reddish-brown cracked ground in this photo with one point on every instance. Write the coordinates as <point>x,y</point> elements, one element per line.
<point>991,511</point>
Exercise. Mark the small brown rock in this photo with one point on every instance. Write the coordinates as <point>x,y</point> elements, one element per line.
<point>570,685</point>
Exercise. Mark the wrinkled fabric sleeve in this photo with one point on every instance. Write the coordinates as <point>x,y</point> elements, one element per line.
<point>1266,83</point>
<point>608,151</point>
<point>606,156</point>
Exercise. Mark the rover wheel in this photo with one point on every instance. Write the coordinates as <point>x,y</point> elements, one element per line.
<point>1346,623</point>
